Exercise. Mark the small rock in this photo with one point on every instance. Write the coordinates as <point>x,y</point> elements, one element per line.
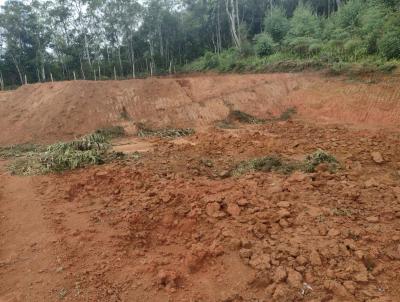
<point>213,209</point>
<point>333,232</point>
<point>315,259</point>
<point>283,204</point>
<point>281,293</point>
<point>235,244</point>
<point>275,189</point>
<point>350,286</point>
<point>373,219</point>
<point>245,253</point>
<point>301,260</point>
<point>243,202</point>
<point>283,213</point>
<point>233,209</point>
<point>377,157</point>
<point>294,279</point>
<point>259,230</point>
<point>260,262</point>
<point>337,288</point>
<point>371,183</point>
<point>283,223</point>
<point>280,274</point>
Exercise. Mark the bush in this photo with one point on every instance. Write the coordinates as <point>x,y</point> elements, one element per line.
<point>264,45</point>
<point>276,24</point>
<point>304,23</point>
<point>389,45</point>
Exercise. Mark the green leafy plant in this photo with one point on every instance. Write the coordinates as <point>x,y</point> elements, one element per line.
<point>264,45</point>
<point>319,157</point>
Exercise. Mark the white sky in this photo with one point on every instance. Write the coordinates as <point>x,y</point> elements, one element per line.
<point>1,2</point>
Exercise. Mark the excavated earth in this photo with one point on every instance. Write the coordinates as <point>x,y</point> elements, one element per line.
<point>170,224</point>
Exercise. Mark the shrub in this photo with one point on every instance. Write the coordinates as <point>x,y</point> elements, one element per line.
<point>276,24</point>
<point>264,45</point>
<point>389,45</point>
<point>304,23</point>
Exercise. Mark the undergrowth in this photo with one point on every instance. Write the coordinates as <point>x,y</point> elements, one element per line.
<point>144,131</point>
<point>286,166</point>
<point>92,149</point>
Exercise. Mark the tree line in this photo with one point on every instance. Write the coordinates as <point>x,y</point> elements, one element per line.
<point>46,40</point>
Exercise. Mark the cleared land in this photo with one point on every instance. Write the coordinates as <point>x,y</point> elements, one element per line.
<point>228,213</point>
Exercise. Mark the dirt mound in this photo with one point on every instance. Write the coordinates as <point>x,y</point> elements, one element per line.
<point>55,111</point>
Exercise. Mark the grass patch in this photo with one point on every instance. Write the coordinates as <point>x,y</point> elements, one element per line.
<point>111,132</point>
<point>143,131</point>
<point>285,166</point>
<point>92,149</point>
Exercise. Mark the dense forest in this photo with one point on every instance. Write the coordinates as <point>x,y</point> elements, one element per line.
<point>45,40</point>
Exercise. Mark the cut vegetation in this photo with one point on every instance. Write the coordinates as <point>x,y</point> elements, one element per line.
<point>91,149</point>
<point>283,165</point>
<point>144,131</point>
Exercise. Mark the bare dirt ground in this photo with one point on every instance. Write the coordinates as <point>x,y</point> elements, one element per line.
<point>171,225</point>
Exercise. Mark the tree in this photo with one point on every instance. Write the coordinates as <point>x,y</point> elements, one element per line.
<point>276,24</point>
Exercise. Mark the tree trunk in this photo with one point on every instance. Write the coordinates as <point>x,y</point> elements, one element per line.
<point>83,73</point>
<point>18,69</point>
<point>120,61</point>
<point>231,7</point>
<point>43,74</point>
<point>1,81</point>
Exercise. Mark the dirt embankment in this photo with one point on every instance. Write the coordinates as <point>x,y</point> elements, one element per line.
<point>55,111</point>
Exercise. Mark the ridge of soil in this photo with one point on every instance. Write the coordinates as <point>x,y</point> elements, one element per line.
<point>51,112</point>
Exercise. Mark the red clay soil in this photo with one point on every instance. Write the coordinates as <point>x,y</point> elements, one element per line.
<point>58,111</point>
<point>171,225</point>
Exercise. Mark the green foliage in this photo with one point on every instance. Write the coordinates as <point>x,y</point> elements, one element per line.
<point>286,166</point>
<point>389,45</point>
<point>349,15</point>
<point>276,24</point>
<point>264,164</point>
<point>89,150</point>
<point>304,23</point>
<point>319,157</point>
<point>264,45</point>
